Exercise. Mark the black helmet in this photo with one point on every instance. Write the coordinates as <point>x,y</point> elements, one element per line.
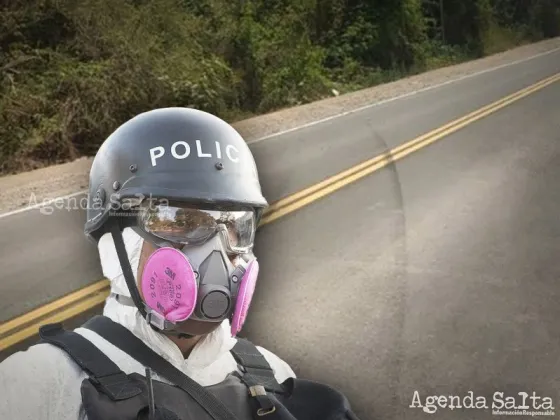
<point>177,154</point>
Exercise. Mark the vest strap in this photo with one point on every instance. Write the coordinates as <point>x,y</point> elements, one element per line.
<point>256,370</point>
<point>125,340</point>
<point>258,376</point>
<point>102,371</point>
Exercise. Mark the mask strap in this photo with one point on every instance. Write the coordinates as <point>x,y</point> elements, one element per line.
<point>126,301</point>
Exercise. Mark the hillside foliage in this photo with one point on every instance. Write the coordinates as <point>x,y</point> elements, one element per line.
<point>72,71</point>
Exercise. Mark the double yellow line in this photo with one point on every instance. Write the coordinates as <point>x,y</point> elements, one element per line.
<point>73,304</point>
<point>332,184</point>
<point>27,325</point>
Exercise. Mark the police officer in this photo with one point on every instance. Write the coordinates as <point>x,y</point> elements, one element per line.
<point>174,202</point>
<point>161,164</point>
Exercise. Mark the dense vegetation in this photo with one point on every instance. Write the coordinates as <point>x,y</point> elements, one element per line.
<point>72,71</point>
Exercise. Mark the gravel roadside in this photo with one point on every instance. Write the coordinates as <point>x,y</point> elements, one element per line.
<point>28,188</point>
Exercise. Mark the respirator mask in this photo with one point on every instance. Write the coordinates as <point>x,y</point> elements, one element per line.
<point>203,268</point>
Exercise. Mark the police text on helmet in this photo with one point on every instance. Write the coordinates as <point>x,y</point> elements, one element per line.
<point>182,150</point>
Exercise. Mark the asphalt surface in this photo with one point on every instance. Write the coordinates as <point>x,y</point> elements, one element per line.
<point>437,274</point>
<point>44,252</point>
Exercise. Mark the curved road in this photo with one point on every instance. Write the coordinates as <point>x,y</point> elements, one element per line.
<point>437,274</point>
<point>469,301</point>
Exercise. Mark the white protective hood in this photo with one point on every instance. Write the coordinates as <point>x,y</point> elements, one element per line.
<point>213,349</point>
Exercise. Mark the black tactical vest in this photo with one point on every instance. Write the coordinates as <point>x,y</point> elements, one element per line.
<point>110,394</point>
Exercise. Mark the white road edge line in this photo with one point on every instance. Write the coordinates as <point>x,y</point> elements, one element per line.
<point>332,117</point>
<point>405,95</point>
<point>42,204</point>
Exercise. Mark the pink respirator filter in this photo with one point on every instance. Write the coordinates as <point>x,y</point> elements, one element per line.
<point>244,297</point>
<point>169,285</point>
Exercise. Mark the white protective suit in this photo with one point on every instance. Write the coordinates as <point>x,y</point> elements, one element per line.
<point>44,383</point>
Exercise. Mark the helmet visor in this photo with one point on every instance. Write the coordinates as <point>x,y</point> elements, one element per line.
<point>191,225</point>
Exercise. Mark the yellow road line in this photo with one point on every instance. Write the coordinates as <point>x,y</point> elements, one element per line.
<point>60,316</point>
<point>394,155</point>
<point>76,304</point>
<point>479,112</point>
<point>50,307</point>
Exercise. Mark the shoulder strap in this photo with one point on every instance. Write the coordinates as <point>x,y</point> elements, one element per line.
<point>255,367</point>
<point>102,371</point>
<point>137,349</point>
<point>257,375</point>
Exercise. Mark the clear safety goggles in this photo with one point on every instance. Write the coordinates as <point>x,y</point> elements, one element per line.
<point>193,225</point>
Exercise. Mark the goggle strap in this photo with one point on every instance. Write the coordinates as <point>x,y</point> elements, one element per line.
<point>125,265</point>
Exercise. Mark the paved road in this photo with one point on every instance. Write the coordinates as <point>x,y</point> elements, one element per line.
<point>468,301</point>
<point>438,274</point>
<point>45,255</point>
